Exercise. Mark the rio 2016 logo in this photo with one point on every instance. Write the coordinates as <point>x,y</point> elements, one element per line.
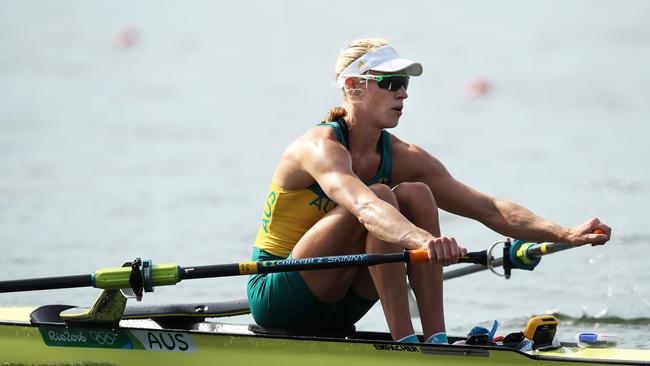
<point>66,337</point>
<point>101,337</point>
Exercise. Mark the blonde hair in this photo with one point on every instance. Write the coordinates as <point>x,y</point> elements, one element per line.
<point>354,50</point>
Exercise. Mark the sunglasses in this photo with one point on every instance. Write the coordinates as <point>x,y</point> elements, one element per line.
<point>391,82</point>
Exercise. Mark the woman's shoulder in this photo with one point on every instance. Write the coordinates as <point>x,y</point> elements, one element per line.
<point>313,147</point>
<point>313,140</point>
<point>411,161</point>
<point>400,146</point>
<point>315,134</point>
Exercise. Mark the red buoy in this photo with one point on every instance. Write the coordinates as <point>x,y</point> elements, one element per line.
<point>476,87</point>
<point>127,37</point>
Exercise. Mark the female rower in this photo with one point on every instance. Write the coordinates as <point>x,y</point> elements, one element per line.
<point>348,186</point>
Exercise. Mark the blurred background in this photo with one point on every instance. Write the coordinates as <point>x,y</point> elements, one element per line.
<point>152,129</point>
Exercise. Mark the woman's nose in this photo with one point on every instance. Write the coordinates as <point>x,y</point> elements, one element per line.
<point>401,93</point>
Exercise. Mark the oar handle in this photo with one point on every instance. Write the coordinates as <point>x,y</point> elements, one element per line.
<point>418,255</point>
<point>421,255</point>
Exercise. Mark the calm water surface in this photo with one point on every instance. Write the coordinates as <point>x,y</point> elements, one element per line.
<point>165,149</point>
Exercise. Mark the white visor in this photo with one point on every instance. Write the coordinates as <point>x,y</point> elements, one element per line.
<point>382,59</point>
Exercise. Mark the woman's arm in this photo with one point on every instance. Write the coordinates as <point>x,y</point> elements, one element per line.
<point>330,164</point>
<point>502,216</point>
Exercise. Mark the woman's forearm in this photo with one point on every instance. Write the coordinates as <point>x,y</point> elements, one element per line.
<point>386,223</point>
<point>511,219</point>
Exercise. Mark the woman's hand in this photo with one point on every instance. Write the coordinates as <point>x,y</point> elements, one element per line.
<point>591,232</point>
<point>444,250</point>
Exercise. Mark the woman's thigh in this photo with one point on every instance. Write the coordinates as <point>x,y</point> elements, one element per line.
<point>337,233</point>
<point>283,300</point>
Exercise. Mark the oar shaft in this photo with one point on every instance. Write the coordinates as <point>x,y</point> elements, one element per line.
<point>46,283</point>
<point>169,274</point>
<point>308,264</point>
<point>530,253</point>
<point>542,249</point>
<point>217,270</point>
<point>547,248</point>
<point>292,265</point>
<point>460,272</point>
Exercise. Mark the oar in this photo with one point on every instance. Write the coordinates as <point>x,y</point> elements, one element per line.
<point>144,275</point>
<point>531,254</point>
<point>519,254</point>
<point>523,252</point>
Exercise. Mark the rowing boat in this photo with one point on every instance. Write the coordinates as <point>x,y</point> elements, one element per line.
<point>172,337</point>
<point>112,333</point>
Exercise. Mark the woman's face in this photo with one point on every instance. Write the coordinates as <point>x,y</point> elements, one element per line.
<point>378,105</point>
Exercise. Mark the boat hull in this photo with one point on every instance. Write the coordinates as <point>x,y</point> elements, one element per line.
<point>138,342</point>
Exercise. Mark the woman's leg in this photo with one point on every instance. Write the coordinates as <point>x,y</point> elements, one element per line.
<point>419,206</point>
<point>390,280</point>
<point>339,232</point>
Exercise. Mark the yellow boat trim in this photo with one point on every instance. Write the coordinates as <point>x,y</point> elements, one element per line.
<point>612,354</point>
<point>16,314</point>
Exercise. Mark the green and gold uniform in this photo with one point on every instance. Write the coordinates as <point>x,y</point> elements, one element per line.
<point>283,300</point>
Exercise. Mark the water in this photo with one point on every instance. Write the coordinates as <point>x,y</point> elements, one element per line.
<point>165,149</point>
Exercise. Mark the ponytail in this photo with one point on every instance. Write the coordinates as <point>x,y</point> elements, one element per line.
<point>335,113</point>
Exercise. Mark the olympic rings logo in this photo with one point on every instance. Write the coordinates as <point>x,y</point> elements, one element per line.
<point>103,338</point>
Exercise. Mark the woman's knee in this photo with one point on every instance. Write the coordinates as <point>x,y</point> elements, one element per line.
<point>414,193</point>
<point>385,193</point>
